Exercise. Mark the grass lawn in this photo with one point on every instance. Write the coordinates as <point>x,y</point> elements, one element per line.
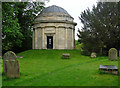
<point>46,68</point>
<point>0,72</point>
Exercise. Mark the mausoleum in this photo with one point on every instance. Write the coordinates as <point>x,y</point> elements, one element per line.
<point>54,28</point>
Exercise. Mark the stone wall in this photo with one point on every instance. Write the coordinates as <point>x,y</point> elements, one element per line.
<point>63,37</point>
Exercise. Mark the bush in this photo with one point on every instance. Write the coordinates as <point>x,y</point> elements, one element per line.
<point>78,46</point>
<point>85,52</point>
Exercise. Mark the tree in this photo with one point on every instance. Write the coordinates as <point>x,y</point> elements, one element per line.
<point>26,17</point>
<point>11,27</point>
<point>17,19</point>
<point>100,28</point>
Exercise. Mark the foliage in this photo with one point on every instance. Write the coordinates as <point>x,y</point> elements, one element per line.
<point>76,42</point>
<point>46,68</point>
<point>26,17</point>
<point>79,46</point>
<point>100,29</point>
<point>17,19</point>
<point>11,27</point>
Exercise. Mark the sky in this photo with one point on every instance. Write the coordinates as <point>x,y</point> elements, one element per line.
<point>74,8</point>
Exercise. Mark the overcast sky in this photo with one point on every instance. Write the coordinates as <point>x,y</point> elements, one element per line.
<point>74,8</point>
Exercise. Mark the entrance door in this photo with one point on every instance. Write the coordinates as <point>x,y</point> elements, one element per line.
<point>50,42</point>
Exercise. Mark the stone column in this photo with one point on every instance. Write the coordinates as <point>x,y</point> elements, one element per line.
<point>66,38</point>
<point>43,39</point>
<point>36,38</point>
<point>72,39</point>
<point>58,38</point>
<point>33,38</point>
<point>55,38</point>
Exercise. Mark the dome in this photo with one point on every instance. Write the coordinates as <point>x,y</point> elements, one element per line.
<point>53,14</point>
<point>54,9</point>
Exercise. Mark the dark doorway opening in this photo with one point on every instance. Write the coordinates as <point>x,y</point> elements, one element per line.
<point>50,42</point>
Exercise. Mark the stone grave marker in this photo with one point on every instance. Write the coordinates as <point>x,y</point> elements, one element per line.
<point>11,65</point>
<point>65,55</point>
<point>8,56</point>
<point>93,55</point>
<point>112,54</point>
<point>12,69</point>
<point>109,69</point>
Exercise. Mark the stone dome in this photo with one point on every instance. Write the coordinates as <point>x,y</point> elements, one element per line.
<point>54,13</point>
<point>54,9</point>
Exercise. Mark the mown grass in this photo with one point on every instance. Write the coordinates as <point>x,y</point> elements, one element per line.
<point>47,68</point>
<point>0,72</point>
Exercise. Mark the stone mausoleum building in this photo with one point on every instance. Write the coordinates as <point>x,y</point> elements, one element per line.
<point>54,29</point>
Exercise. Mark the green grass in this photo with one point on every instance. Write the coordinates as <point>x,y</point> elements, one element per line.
<point>0,72</point>
<point>47,68</point>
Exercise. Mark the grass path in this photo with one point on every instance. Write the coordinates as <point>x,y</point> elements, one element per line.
<point>46,68</point>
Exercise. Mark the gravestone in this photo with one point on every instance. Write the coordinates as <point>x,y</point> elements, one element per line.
<point>112,54</point>
<point>93,55</point>
<point>12,69</point>
<point>8,56</point>
<point>108,69</point>
<point>11,65</point>
<point>65,55</point>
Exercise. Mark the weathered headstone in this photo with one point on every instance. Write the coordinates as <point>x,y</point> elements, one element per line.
<point>108,69</point>
<point>11,65</point>
<point>93,55</point>
<point>65,55</point>
<point>12,69</point>
<point>112,54</point>
<point>8,56</point>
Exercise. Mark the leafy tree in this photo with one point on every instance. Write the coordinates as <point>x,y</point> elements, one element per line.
<point>100,28</point>
<point>11,27</point>
<point>17,19</point>
<point>26,17</point>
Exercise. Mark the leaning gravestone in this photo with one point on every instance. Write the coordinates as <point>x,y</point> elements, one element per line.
<point>112,54</point>
<point>11,65</point>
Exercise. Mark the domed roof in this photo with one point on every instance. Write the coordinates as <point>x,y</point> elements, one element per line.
<point>54,9</point>
<point>54,14</point>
